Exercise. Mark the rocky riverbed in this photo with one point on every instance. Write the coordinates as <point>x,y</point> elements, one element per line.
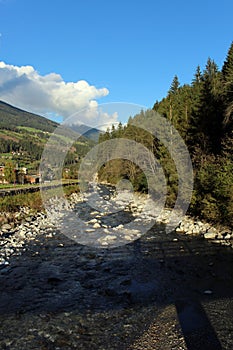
<point>106,230</point>
<point>56,293</point>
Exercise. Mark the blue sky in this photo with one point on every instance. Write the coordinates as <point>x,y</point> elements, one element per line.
<point>132,49</point>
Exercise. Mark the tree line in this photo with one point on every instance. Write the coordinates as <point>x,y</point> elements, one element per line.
<point>202,112</point>
<point>33,149</point>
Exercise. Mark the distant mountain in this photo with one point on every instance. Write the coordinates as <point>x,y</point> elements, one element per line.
<point>23,136</point>
<point>88,132</point>
<point>11,117</point>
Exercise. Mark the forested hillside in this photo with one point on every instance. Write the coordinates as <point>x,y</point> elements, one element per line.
<point>23,136</point>
<point>11,117</point>
<point>202,112</point>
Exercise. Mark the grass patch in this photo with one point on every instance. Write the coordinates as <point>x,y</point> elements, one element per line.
<point>13,203</point>
<point>31,200</point>
<point>12,186</point>
<point>29,129</point>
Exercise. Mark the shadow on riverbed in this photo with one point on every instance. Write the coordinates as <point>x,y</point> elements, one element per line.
<point>55,276</point>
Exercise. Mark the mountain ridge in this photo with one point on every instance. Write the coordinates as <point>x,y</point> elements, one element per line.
<point>20,117</point>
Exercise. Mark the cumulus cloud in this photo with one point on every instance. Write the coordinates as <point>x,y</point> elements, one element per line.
<point>94,116</point>
<point>49,95</point>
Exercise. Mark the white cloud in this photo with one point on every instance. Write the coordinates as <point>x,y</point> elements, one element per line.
<point>94,116</point>
<point>24,87</point>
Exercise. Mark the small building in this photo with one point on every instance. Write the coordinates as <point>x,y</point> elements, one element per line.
<point>21,176</point>
<point>33,179</point>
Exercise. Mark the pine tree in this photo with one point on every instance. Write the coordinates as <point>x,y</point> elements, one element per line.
<point>173,101</point>
<point>227,69</point>
<point>197,77</point>
<point>211,77</point>
<point>196,94</point>
<point>211,109</point>
<point>227,72</point>
<point>174,86</point>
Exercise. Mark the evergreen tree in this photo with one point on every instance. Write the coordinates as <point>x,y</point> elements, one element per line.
<point>120,130</point>
<point>208,123</point>
<point>173,99</point>
<point>197,77</point>
<point>227,72</point>
<point>194,121</point>
<point>174,86</point>
<point>227,69</point>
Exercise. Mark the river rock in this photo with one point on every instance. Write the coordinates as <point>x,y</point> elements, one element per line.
<point>6,228</point>
<point>92,221</point>
<point>128,238</point>
<point>210,234</point>
<point>110,238</point>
